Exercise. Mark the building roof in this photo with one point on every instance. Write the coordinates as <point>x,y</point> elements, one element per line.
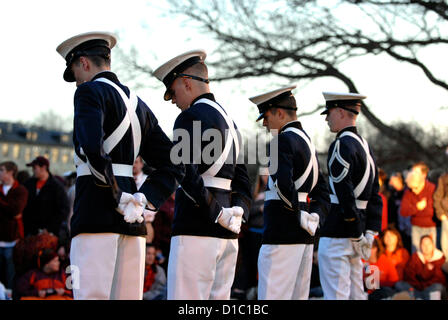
<point>27,134</point>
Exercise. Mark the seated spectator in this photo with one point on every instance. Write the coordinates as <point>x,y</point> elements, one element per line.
<point>27,249</point>
<point>388,274</point>
<point>154,287</point>
<point>394,250</point>
<point>423,274</point>
<point>47,282</point>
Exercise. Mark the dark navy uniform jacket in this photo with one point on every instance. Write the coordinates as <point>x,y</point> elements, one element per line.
<point>99,110</point>
<point>282,216</point>
<point>346,164</point>
<point>197,206</point>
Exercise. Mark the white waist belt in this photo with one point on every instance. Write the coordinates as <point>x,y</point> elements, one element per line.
<point>272,195</point>
<point>360,204</point>
<point>216,182</point>
<point>121,170</point>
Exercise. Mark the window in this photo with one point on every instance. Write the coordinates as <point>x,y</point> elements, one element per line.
<point>54,155</point>
<point>16,151</point>
<point>5,149</point>
<point>27,154</point>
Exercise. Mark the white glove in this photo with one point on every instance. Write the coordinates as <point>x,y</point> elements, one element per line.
<point>133,212</point>
<point>140,198</point>
<point>370,235</point>
<point>124,200</point>
<point>362,247</point>
<point>149,215</point>
<point>237,219</point>
<point>229,220</point>
<point>309,222</point>
<point>132,206</point>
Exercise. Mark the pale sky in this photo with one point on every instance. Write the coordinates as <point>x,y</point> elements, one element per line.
<point>31,69</point>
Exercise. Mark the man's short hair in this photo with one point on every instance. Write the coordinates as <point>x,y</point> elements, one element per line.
<point>290,113</point>
<point>98,61</point>
<point>10,166</point>
<point>423,167</point>
<point>199,69</point>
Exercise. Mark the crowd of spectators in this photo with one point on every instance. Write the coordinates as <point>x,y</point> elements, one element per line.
<point>408,259</point>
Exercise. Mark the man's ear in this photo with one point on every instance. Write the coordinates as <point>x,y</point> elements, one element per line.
<point>187,83</point>
<point>84,63</point>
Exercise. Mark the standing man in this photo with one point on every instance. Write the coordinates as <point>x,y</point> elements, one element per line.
<point>418,203</point>
<point>112,126</point>
<point>356,207</point>
<point>215,192</point>
<point>47,206</point>
<point>13,197</point>
<point>441,208</point>
<point>290,220</point>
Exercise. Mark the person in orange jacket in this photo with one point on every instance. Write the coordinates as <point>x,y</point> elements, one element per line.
<point>47,282</point>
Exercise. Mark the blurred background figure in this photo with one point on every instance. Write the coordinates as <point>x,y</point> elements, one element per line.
<point>394,250</point>
<point>384,194</point>
<point>388,274</point>
<point>441,208</point>
<point>395,219</point>
<point>46,282</point>
<point>137,172</point>
<point>154,287</point>
<point>162,230</point>
<point>47,207</point>
<point>13,198</point>
<point>423,275</point>
<point>417,203</point>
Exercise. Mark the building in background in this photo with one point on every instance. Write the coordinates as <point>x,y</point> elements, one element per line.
<point>22,143</point>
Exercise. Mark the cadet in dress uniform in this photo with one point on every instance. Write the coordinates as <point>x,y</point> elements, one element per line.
<point>112,126</point>
<point>356,207</point>
<point>290,220</point>
<point>213,196</point>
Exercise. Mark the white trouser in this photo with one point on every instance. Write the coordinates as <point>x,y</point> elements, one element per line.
<point>110,265</point>
<point>284,271</point>
<point>201,268</point>
<point>340,270</point>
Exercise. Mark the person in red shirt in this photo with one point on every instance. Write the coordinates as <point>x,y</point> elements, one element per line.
<point>423,274</point>
<point>388,276</point>
<point>13,198</point>
<point>417,203</point>
<point>394,250</point>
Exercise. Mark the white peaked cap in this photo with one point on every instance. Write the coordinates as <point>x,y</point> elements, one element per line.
<point>270,95</point>
<point>68,45</point>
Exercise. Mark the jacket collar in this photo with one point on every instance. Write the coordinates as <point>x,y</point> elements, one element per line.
<point>106,74</point>
<point>208,96</point>
<point>14,185</point>
<point>351,129</point>
<point>437,255</point>
<point>292,124</point>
